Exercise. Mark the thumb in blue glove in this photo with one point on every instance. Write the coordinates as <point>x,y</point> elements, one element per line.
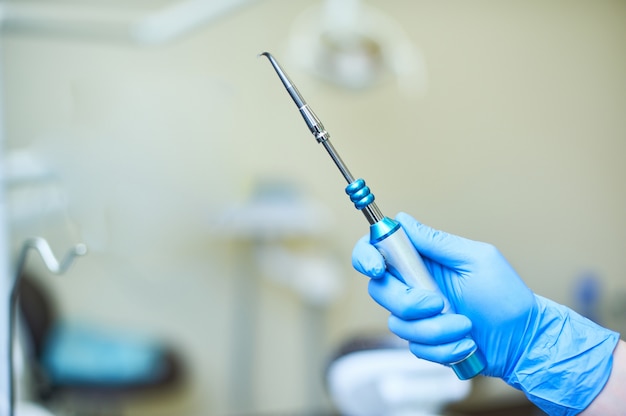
<point>529,341</point>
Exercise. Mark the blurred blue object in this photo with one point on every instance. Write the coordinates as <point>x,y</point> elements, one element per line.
<point>77,353</point>
<point>83,361</point>
<point>588,293</point>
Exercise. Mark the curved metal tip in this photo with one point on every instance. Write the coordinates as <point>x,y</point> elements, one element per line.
<point>272,61</point>
<point>285,79</point>
<point>276,66</point>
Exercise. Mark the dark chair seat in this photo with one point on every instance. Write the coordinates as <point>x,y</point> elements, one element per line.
<point>88,362</point>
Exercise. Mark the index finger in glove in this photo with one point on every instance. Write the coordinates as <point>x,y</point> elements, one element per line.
<point>366,259</point>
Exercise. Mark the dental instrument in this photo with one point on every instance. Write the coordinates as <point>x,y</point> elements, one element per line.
<point>386,234</point>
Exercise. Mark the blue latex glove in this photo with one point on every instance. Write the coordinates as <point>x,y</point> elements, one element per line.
<point>560,359</point>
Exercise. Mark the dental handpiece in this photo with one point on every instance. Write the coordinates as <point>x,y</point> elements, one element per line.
<point>386,234</point>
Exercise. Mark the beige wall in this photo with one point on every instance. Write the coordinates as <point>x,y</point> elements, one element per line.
<point>519,141</point>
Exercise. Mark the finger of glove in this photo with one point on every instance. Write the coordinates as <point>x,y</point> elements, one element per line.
<point>447,249</point>
<point>366,259</point>
<point>403,301</point>
<point>452,352</point>
<point>434,330</point>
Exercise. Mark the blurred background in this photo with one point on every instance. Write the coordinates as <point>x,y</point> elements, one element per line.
<point>218,229</point>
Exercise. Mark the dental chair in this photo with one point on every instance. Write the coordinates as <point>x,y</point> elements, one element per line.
<point>89,371</point>
<point>374,375</point>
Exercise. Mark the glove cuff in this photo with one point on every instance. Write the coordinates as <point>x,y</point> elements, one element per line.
<point>567,361</point>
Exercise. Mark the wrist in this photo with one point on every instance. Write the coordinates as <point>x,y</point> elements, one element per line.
<point>611,400</point>
<point>566,362</point>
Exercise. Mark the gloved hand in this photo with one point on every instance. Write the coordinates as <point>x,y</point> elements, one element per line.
<point>558,358</point>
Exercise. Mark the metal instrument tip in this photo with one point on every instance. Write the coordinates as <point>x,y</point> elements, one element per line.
<point>293,92</point>
<point>314,123</point>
